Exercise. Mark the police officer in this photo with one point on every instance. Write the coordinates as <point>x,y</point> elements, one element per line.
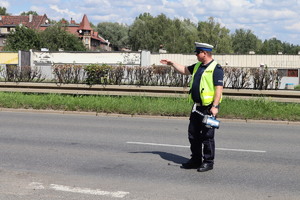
<point>206,92</point>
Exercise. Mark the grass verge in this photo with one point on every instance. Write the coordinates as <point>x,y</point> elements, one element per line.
<point>260,108</point>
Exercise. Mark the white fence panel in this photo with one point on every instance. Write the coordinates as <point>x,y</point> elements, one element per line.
<point>272,61</point>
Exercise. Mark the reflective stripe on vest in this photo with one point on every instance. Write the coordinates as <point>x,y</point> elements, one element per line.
<point>207,88</point>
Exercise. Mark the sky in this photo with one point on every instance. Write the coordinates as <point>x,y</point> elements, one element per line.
<point>265,18</point>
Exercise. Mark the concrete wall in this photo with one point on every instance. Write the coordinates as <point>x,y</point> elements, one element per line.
<point>47,58</point>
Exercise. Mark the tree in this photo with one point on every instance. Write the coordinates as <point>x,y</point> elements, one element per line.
<point>290,48</point>
<point>212,33</point>
<point>140,37</point>
<point>150,33</point>
<point>93,26</point>
<point>180,36</point>
<point>22,38</point>
<point>190,36</point>
<point>3,11</point>
<point>29,13</point>
<point>55,37</point>
<point>115,33</point>
<point>158,27</point>
<point>244,41</point>
<point>271,46</point>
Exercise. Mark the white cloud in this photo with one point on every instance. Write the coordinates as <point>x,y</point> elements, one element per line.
<point>165,2</point>
<point>39,10</point>
<point>57,13</point>
<point>293,27</point>
<point>62,11</point>
<point>97,3</point>
<point>106,18</point>
<point>4,4</point>
<point>284,14</point>
<point>190,4</point>
<point>258,2</point>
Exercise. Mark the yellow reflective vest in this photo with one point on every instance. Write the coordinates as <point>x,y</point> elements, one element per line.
<point>207,88</point>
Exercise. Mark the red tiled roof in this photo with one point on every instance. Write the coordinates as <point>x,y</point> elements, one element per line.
<point>85,24</point>
<point>25,20</point>
<point>73,30</point>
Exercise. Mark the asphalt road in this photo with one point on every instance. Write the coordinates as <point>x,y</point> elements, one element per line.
<point>64,156</point>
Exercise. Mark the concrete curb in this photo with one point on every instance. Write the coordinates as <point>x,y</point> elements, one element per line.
<point>225,120</point>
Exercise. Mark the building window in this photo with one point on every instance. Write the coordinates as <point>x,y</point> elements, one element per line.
<point>292,73</point>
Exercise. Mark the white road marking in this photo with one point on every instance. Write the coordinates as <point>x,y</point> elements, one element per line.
<point>36,186</point>
<point>118,194</point>
<point>182,146</point>
<point>156,144</point>
<point>242,150</point>
<point>63,188</point>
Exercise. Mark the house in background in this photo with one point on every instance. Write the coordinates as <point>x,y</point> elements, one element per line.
<point>91,39</point>
<point>9,23</point>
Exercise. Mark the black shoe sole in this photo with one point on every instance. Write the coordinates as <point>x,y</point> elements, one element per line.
<point>204,169</point>
<point>195,166</point>
<point>182,167</point>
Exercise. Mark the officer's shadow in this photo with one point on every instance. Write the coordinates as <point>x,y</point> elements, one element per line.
<point>167,156</point>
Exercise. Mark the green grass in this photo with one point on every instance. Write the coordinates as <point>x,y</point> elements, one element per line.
<point>260,108</point>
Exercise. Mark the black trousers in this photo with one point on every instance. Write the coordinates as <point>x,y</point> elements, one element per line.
<point>202,142</point>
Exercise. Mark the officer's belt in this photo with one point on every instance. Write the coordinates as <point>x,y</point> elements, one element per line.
<point>199,104</point>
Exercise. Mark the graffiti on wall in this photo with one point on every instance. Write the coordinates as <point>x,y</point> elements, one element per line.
<point>131,58</point>
<point>42,58</point>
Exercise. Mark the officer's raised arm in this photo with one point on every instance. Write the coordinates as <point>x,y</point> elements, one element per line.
<point>178,67</point>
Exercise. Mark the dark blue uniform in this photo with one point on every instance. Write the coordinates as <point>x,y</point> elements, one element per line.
<point>199,135</point>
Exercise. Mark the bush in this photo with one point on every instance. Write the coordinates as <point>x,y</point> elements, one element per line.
<point>155,75</point>
<point>29,74</point>
<point>68,73</point>
<point>237,78</point>
<point>256,78</point>
<point>14,73</point>
<point>97,74</point>
<point>116,75</point>
<point>134,75</point>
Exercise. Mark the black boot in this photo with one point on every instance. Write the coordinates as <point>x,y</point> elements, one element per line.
<point>191,164</point>
<point>205,167</point>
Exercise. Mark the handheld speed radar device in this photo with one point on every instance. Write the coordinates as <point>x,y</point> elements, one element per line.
<point>209,120</point>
